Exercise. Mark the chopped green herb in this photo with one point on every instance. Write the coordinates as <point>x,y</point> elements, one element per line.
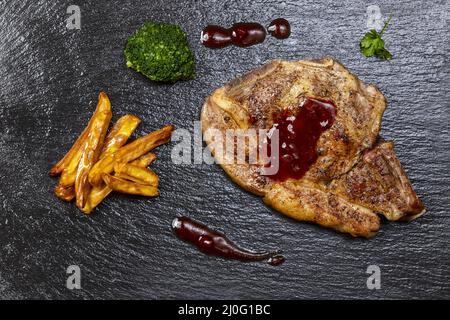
<point>372,44</point>
<point>160,51</point>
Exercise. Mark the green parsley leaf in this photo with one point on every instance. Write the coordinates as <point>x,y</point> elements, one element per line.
<point>373,45</point>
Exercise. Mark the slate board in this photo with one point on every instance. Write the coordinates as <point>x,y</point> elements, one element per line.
<point>50,79</point>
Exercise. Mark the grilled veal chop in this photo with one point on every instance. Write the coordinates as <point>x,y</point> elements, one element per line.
<point>350,176</point>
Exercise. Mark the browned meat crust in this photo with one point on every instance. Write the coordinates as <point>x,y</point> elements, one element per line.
<point>379,182</point>
<point>308,203</point>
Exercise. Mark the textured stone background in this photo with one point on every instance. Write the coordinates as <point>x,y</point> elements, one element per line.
<point>49,81</point>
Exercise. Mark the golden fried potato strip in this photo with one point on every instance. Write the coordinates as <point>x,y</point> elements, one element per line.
<point>66,193</point>
<point>119,134</point>
<point>117,137</point>
<point>92,148</point>
<point>145,160</point>
<point>69,173</point>
<point>129,152</point>
<point>73,152</point>
<point>70,170</point>
<point>136,174</point>
<point>96,196</point>
<point>124,186</point>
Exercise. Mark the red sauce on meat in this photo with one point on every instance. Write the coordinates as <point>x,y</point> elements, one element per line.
<point>298,136</point>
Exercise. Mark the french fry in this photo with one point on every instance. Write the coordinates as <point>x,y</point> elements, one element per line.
<point>129,152</point>
<point>117,137</point>
<point>145,160</point>
<point>66,193</point>
<point>70,169</point>
<point>74,150</point>
<point>119,134</point>
<point>69,173</point>
<point>124,186</point>
<point>92,148</point>
<point>95,154</point>
<point>96,196</point>
<point>136,174</point>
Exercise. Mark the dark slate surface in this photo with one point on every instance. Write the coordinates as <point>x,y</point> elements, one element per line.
<point>50,78</point>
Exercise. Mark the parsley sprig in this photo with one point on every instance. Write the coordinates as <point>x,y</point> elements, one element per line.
<point>372,44</point>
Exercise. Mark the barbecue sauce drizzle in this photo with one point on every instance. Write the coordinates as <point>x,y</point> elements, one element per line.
<point>298,134</point>
<point>214,243</point>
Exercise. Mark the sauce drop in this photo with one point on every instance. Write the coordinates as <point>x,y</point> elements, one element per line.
<point>216,37</point>
<point>214,243</point>
<point>247,34</point>
<point>279,28</point>
<point>298,136</point>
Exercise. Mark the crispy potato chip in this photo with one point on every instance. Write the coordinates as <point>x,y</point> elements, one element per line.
<point>119,134</point>
<point>124,186</point>
<point>92,148</point>
<point>136,174</point>
<point>145,160</point>
<point>129,152</point>
<point>66,193</point>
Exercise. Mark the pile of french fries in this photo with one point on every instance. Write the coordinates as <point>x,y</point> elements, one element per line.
<point>100,162</point>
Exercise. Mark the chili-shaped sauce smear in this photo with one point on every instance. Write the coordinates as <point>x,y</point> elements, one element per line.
<point>214,243</point>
